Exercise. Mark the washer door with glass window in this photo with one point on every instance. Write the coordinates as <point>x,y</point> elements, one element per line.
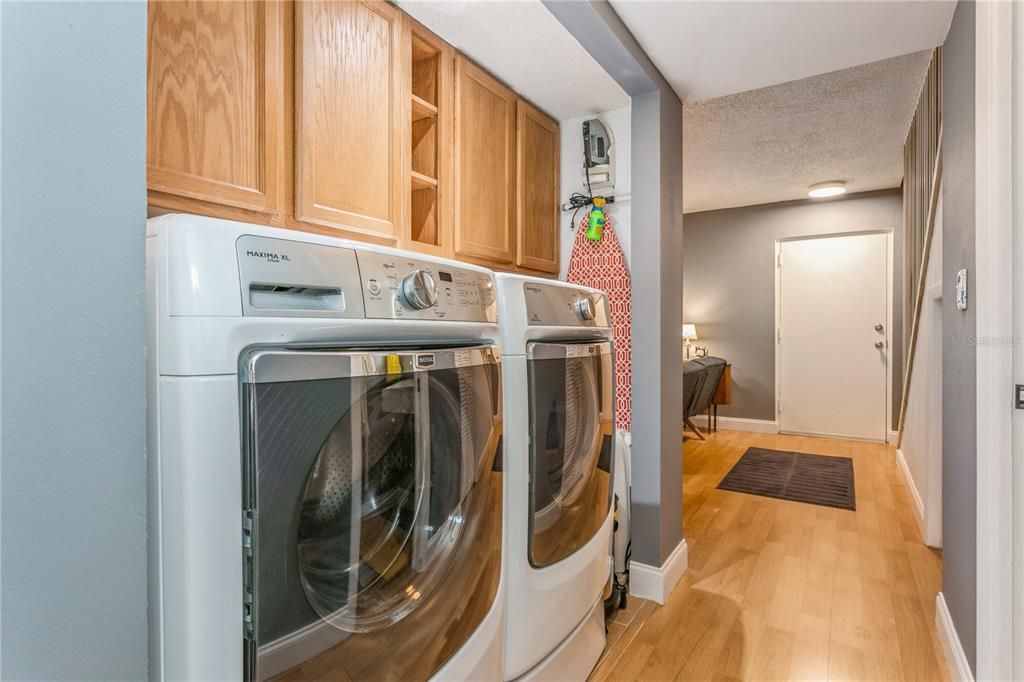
<point>571,442</point>
<point>373,509</point>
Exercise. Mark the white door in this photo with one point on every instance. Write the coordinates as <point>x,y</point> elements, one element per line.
<point>833,336</point>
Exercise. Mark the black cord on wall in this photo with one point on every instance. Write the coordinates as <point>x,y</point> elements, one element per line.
<point>579,200</point>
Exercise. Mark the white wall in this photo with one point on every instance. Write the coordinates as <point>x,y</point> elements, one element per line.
<point>618,121</point>
<point>921,448</point>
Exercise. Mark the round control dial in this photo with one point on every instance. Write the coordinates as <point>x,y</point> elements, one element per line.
<point>419,290</point>
<point>584,308</point>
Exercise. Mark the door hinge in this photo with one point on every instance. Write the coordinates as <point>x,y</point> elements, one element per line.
<point>779,259</point>
<point>247,574</point>
<point>1019,396</point>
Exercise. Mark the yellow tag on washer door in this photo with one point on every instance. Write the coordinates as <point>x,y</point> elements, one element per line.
<point>394,364</point>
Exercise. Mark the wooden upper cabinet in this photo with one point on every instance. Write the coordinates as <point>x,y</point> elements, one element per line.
<point>350,115</point>
<point>485,127</point>
<point>537,171</point>
<point>350,118</point>
<point>214,102</point>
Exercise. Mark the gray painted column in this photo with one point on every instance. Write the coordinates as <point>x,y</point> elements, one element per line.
<point>959,354</point>
<point>656,244</point>
<point>73,210</point>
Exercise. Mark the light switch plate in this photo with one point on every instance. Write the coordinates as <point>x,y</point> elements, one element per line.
<point>961,289</point>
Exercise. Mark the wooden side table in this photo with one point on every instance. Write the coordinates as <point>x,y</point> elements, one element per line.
<point>723,396</point>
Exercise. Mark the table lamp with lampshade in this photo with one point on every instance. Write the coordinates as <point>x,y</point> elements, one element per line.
<point>689,334</point>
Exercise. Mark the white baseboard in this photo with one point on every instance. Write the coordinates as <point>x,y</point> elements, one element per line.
<point>956,659</point>
<point>739,424</point>
<point>915,496</point>
<point>891,438</point>
<point>657,582</point>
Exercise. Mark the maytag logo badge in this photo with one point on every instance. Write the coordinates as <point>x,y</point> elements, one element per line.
<point>269,256</point>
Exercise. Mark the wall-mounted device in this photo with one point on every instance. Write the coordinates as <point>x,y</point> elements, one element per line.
<point>598,159</point>
<point>961,290</point>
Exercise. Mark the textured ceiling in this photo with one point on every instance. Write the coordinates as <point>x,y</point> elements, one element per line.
<point>711,49</point>
<point>770,144</point>
<point>523,44</point>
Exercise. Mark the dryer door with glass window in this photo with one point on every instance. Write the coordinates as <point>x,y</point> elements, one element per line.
<point>374,509</point>
<point>571,443</point>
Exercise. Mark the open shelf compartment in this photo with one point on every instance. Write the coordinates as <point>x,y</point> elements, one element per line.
<point>426,64</point>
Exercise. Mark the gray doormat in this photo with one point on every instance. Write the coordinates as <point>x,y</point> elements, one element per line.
<point>815,479</point>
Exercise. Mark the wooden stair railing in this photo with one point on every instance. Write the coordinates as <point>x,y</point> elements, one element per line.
<point>933,202</point>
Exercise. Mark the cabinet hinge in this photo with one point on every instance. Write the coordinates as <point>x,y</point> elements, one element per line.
<point>247,573</point>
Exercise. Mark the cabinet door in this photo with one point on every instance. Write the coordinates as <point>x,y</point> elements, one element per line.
<point>537,179</point>
<point>350,113</point>
<point>484,166</point>
<point>214,102</point>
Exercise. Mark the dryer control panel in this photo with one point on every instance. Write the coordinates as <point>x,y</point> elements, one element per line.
<point>559,306</point>
<point>404,288</point>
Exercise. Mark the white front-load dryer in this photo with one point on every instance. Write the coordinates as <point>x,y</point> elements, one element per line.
<point>558,454</point>
<point>325,420</point>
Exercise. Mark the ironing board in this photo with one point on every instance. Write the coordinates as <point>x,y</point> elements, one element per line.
<point>602,265</point>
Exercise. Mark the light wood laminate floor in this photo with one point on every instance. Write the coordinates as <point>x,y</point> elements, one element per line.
<point>779,590</point>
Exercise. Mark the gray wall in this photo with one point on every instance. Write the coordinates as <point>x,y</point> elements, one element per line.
<point>959,381</point>
<point>729,283</point>
<point>656,169</point>
<point>73,209</point>
<point>656,247</point>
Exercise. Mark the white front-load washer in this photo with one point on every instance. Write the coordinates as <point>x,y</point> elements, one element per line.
<point>324,423</point>
<point>558,454</point>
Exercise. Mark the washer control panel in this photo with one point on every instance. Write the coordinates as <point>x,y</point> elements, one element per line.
<point>402,288</point>
<point>561,306</point>
<point>285,278</point>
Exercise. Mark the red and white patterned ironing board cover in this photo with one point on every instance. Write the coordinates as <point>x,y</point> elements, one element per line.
<point>602,265</point>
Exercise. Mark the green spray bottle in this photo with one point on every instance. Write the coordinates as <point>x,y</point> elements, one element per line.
<point>595,222</point>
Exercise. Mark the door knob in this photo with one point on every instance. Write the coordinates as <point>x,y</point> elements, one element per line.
<point>879,327</point>
<point>879,344</point>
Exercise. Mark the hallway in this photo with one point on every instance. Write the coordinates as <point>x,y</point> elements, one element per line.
<point>782,590</point>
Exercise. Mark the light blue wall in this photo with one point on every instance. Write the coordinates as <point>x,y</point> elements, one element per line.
<point>73,208</point>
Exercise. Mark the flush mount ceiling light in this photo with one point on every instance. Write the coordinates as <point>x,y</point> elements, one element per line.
<point>832,188</point>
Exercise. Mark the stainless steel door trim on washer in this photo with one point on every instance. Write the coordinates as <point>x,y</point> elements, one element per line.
<point>571,422</point>
<point>373,505</point>
<point>547,350</point>
<point>265,366</point>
